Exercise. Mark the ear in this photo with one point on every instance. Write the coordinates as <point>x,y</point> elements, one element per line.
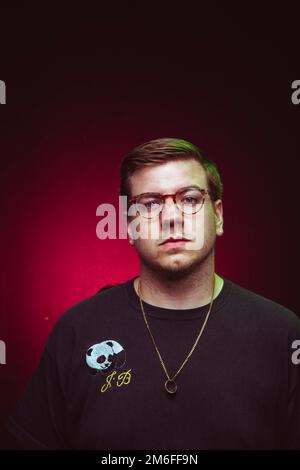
<point>130,238</point>
<point>219,220</point>
<point>220,229</point>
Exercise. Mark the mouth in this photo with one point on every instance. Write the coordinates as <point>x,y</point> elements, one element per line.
<point>172,242</point>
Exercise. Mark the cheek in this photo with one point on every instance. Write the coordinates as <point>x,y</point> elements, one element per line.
<point>202,230</point>
<point>210,231</point>
<point>209,226</point>
<point>146,249</point>
<point>141,230</point>
<point>151,231</point>
<point>203,224</point>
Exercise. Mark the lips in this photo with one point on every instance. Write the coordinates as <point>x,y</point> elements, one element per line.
<point>174,240</point>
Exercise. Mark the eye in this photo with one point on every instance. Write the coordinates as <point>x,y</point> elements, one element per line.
<point>189,200</point>
<point>151,204</point>
<point>101,359</point>
<point>148,203</point>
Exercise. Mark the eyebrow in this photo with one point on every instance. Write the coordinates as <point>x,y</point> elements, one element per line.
<point>194,186</point>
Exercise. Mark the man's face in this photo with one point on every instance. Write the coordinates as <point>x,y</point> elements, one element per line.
<point>199,228</point>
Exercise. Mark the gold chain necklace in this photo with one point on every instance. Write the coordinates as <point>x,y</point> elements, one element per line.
<point>170,384</point>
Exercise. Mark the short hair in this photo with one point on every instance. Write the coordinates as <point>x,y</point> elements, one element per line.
<point>163,150</point>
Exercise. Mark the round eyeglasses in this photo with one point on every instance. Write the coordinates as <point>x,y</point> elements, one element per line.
<point>189,200</point>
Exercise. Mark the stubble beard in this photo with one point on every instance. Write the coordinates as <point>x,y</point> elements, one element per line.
<point>174,269</point>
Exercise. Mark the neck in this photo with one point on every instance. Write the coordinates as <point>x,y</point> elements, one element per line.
<point>191,291</point>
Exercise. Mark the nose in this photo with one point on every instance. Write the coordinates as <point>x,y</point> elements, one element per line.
<point>169,204</point>
<point>170,212</point>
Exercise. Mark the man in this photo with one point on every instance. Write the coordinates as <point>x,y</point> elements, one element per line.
<point>178,357</point>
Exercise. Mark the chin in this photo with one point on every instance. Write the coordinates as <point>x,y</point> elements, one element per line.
<point>172,265</point>
<point>176,268</point>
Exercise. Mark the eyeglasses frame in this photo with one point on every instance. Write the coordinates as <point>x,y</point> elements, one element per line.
<point>204,192</point>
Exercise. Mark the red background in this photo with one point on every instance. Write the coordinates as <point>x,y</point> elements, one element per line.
<point>83,88</point>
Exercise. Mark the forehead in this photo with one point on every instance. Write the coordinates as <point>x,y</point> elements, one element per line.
<point>168,177</point>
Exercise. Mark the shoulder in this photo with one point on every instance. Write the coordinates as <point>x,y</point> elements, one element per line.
<point>86,316</point>
<point>261,309</point>
<point>90,305</point>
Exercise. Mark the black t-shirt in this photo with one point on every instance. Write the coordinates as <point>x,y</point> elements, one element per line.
<point>100,384</point>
